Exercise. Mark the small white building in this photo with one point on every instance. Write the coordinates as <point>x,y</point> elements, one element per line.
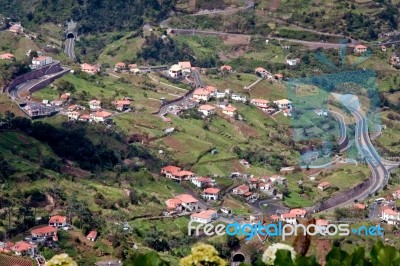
<point>283,104</point>
<point>175,71</point>
<point>41,61</point>
<point>293,62</point>
<point>238,97</point>
<point>229,110</point>
<point>207,109</point>
<point>186,67</point>
<point>321,112</point>
<point>204,217</point>
<point>201,94</point>
<point>100,116</point>
<point>203,182</point>
<point>94,105</point>
<point>390,216</point>
<point>74,115</point>
<point>211,193</point>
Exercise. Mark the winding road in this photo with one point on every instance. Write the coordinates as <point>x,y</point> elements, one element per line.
<point>69,48</point>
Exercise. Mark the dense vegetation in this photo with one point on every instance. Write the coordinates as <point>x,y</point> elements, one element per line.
<point>93,16</point>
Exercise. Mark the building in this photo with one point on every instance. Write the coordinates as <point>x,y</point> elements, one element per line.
<point>65,96</point>
<point>168,170</point>
<point>122,105</point>
<point>283,104</point>
<point>261,71</point>
<point>229,110</point>
<point>299,213</point>
<point>74,115</point>
<point>186,67</point>
<point>248,196</point>
<point>323,186</point>
<point>174,206</point>
<point>201,94</point>
<point>180,175</point>
<point>226,68</point>
<point>94,105</point>
<point>41,61</point>
<point>238,97</point>
<point>188,202</point>
<point>7,56</point>
<point>212,90</point>
<point>321,112</point>
<point>322,224</point>
<point>260,103</point>
<point>240,190</point>
<point>293,62</point>
<point>289,218</point>
<point>203,182</point>
<point>175,71</point>
<point>133,68</point>
<point>360,206</point>
<point>390,216</point>
<point>360,49</point>
<point>92,236</point>
<point>396,194</point>
<point>277,179</point>
<point>383,48</point>
<point>23,248</point>
<point>278,76</point>
<point>90,69</point>
<point>211,193</point>
<point>119,66</point>
<point>109,263</point>
<point>204,217</point>
<point>85,118</point>
<point>45,231</point>
<point>17,28</point>
<point>207,109</point>
<point>101,116</point>
<point>58,221</point>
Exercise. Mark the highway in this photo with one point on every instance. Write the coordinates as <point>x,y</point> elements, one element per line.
<point>69,48</point>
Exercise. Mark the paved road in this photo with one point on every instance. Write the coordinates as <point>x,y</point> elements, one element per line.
<point>69,48</point>
<point>273,206</point>
<point>196,76</point>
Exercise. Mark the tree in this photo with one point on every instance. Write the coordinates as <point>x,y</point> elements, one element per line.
<point>64,86</point>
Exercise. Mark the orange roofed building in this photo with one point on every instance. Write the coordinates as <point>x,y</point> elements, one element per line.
<point>58,221</point>
<point>174,172</point>
<point>204,217</point>
<point>7,56</point>
<point>183,201</point>
<point>90,69</point>
<point>211,193</point>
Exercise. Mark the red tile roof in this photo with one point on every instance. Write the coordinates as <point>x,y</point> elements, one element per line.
<point>321,222</point>
<point>171,169</point>
<point>92,234</point>
<point>204,214</point>
<point>186,198</point>
<point>201,92</point>
<point>57,219</point>
<point>226,68</point>
<point>298,211</point>
<point>103,114</point>
<point>211,191</point>
<point>206,107</point>
<point>44,230</point>
<point>288,215</point>
<point>21,246</point>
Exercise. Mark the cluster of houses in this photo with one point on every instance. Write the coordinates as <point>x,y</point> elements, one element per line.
<point>37,62</point>
<point>16,28</point>
<point>394,60</point>
<point>283,105</point>
<point>29,246</point>
<point>293,216</point>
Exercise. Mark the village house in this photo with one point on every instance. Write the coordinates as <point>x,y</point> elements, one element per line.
<point>72,108</point>
<point>238,97</point>
<point>322,224</point>
<point>360,49</point>
<point>248,196</point>
<point>226,68</point>
<point>204,217</point>
<point>201,94</point>
<point>289,218</point>
<point>186,67</point>
<point>287,112</point>
<point>390,216</point>
<point>175,71</point>
<point>383,48</point>
<point>203,182</point>
<point>300,213</point>
<point>277,179</point>
<point>119,66</point>
<point>260,103</point>
<point>65,96</point>
<point>283,104</point>
<point>7,56</point>
<point>394,60</point>
<point>267,188</point>
<point>23,248</point>
<point>220,94</point>
<point>17,28</point>
<point>261,72</point>
<point>45,231</point>
<point>101,116</point>
<point>168,170</point>
<point>181,175</point>
<point>56,103</point>
<point>74,115</point>
<point>94,105</point>
<point>240,190</point>
<point>223,104</point>
<point>207,109</point>
<point>90,69</point>
<point>174,206</point>
<point>41,61</point>
<point>323,186</point>
<point>211,193</point>
<point>229,110</point>
<point>58,221</point>
<point>92,236</point>
<point>133,68</point>
<point>253,183</point>
<point>188,202</point>
<point>396,194</point>
<point>85,118</point>
<point>122,105</point>
<point>360,206</point>
<point>321,112</point>
<point>293,62</point>
<point>278,76</point>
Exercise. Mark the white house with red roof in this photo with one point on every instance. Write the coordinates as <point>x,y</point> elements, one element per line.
<point>174,206</point>
<point>122,105</point>
<point>119,66</point>
<point>100,116</point>
<point>322,224</point>
<point>211,193</point>
<point>74,115</point>
<point>23,248</point>
<point>188,202</point>
<point>167,170</point>
<point>92,235</point>
<point>90,69</point>
<point>277,179</point>
<point>204,217</point>
<point>240,190</point>
<point>58,221</point>
<point>201,94</point>
<point>41,61</point>
<point>17,28</point>
<point>203,182</point>
<point>261,71</point>
<point>261,103</point>
<point>226,68</point>
<point>360,49</point>
<point>390,216</point>
<point>283,104</point>
<point>207,109</point>
<point>7,56</point>
<point>289,218</point>
<point>230,110</point>
<point>324,185</point>
<point>174,172</point>
<point>175,71</point>
<point>186,67</point>
<point>45,231</point>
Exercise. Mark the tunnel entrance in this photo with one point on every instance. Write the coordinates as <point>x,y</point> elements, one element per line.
<point>238,258</point>
<point>70,35</point>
